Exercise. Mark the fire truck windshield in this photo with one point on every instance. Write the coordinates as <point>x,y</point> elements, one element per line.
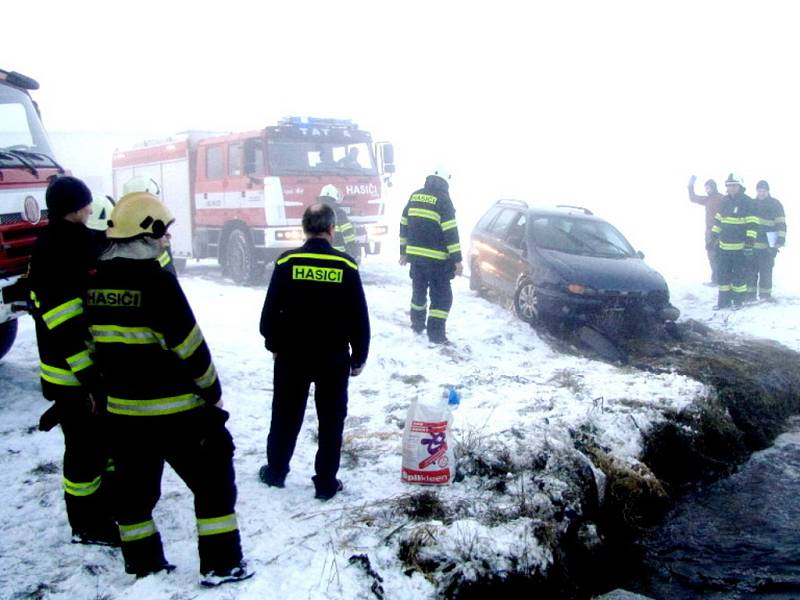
<point>23,141</point>
<point>290,157</point>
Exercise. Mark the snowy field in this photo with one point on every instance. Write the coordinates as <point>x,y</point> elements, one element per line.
<point>510,381</point>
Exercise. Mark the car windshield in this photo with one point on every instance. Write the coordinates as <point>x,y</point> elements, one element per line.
<point>22,137</point>
<point>579,236</point>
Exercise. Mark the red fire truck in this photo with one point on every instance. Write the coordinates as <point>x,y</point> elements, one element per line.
<point>240,197</point>
<point>26,165</point>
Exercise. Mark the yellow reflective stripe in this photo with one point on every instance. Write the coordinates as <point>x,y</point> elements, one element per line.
<point>80,361</point>
<point>109,334</point>
<point>350,237</point>
<point>208,378</point>
<point>403,241</point>
<point>734,220</point>
<point>437,313</point>
<point>424,213</point>
<point>349,263</point>
<point>217,525</point>
<point>426,252</point>
<point>403,221</point>
<point>344,227</point>
<point>451,224</point>
<point>716,229</point>
<point>35,300</point>
<point>340,248</point>
<point>426,198</point>
<point>740,289</point>
<point>780,220</point>
<point>731,246</point>
<point>63,312</point>
<point>453,248</point>
<point>724,288</point>
<point>751,233</point>
<point>58,376</point>
<point>760,245</point>
<point>139,531</point>
<point>81,489</point>
<point>418,307</point>
<point>164,258</point>
<point>155,406</point>
<point>188,346</point>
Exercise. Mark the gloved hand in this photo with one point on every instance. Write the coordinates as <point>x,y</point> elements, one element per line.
<point>49,419</point>
<point>692,180</point>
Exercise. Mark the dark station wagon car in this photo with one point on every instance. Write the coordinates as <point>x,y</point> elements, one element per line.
<point>564,265</point>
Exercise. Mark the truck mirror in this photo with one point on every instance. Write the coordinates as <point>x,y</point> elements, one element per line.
<point>387,157</point>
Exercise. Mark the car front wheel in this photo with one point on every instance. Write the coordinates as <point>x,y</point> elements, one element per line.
<point>526,302</point>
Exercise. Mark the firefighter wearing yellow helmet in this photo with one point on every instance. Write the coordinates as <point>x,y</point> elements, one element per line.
<point>344,235</point>
<point>146,185</point>
<point>164,396</point>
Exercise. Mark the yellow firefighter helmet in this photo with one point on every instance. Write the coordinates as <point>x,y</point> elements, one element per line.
<point>101,212</point>
<point>137,215</point>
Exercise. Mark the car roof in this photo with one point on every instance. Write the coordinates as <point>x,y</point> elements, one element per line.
<point>549,209</point>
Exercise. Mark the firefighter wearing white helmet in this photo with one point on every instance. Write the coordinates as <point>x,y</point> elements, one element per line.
<point>344,235</point>
<point>164,396</point>
<point>141,184</point>
<point>735,234</point>
<point>429,241</point>
<point>101,212</point>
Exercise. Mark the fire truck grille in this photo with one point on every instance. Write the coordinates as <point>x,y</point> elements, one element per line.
<point>15,218</point>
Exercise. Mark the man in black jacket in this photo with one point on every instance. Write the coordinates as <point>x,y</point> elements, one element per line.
<point>429,241</point>
<point>164,396</point>
<point>316,324</point>
<point>63,257</point>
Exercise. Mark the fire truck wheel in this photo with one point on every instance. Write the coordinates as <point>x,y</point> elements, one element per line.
<point>8,333</point>
<point>240,258</point>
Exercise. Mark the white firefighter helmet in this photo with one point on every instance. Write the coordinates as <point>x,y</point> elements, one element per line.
<point>101,212</point>
<point>141,184</point>
<point>734,179</point>
<point>137,215</point>
<point>441,171</point>
<point>331,191</point>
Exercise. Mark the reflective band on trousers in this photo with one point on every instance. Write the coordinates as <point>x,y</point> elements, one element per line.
<point>418,307</point>
<point>110,334</point>
<point>437,313</point>
<point>349,263</point>
<point>58,376</point>
<point>731,246</point>
<point>208,378</point>
<point>192,342</point>
<point>217,525</point>
<point>63,312</point>
<point>426,252</point>
<point>154,407</point>
<point>139,531</point>
<point>81,489</point>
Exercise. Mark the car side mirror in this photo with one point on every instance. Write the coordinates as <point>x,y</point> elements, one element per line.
<point>640,254</point>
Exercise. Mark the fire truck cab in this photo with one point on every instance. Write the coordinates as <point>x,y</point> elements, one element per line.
<point>26,165</point>
<point>240,197</point>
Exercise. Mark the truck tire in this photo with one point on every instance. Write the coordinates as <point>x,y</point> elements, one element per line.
<point>240,262</point>
<point>8,333</point>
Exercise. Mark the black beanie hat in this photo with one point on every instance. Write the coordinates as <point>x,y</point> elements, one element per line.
<point>762,185</point>
<point>66,194</point>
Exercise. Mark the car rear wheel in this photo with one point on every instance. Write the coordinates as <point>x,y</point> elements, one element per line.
<point>526,302</point>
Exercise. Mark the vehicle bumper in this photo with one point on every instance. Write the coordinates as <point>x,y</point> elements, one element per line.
<point>555,304</point>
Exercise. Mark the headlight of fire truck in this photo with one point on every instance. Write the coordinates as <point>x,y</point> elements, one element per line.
<point>376,231</point>
<point>284,235</point>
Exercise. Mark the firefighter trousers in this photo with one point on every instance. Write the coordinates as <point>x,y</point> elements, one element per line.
<point>88,480</point>
<point>433,277</point>
<point>292,378</point>
<point>759,281</point>
<point>200,449</point>
<point>732,277</point>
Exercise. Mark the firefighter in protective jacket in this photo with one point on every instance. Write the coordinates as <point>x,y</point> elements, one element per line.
<point>769,221</point>
<point>344,235</point>
<point>60,266</point>
<point>429,241</point>
<point>316,324</point>
<point>164,396</point>
<point>735,236</point>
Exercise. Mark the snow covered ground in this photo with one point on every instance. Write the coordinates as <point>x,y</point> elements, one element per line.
<point>512,383</point>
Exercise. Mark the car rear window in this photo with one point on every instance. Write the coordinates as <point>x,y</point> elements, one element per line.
<point>487,219</point>
<point>501,223</point>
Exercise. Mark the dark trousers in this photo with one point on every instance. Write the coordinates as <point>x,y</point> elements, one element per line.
<point>759,282</point>
<point>199,448</point>
<point>88,484</point>
<point>732,277</point>
<point>292,378</point>
<point>433,277</point>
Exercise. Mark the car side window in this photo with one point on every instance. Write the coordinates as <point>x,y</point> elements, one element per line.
<point>500,225</point>
<point>487,219</point>
<point>516,233</point>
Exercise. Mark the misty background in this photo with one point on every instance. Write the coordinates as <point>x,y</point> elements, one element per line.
<point>610,105</point>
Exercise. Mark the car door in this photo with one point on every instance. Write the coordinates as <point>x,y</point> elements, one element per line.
<point>492,247</point>
<point>512,253</point>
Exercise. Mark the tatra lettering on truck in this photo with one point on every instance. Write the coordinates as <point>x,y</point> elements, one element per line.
<point>26,165</point>
<point>240,197</point>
